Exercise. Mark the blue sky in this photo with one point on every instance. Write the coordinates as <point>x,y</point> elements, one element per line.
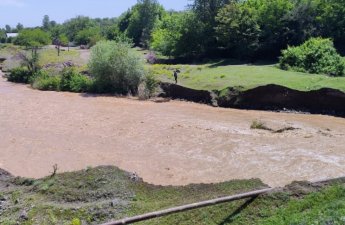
<point>31,12</point>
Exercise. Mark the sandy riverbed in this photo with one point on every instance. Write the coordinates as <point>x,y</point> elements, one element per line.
<point>172,143</point>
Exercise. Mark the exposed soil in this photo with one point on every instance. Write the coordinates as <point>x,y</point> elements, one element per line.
<point>165,143</point>
<point>269,97</point>
<point>274,97</point>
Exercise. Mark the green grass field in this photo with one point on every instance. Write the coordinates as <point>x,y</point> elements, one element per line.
<point>220,75</point>
<point>93,196</point>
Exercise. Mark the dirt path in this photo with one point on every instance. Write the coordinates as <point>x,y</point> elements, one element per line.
<point>85,55</point>
<point>165,143</point>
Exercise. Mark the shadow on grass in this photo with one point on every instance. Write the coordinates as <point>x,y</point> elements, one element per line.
<point>231,217</point>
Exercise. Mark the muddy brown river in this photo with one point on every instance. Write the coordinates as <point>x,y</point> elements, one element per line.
<point>172,143</point>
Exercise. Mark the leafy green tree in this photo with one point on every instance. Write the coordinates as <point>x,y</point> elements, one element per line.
<point>111,32</point>
<point>301,22</point>
<point>88,36</point>
<point>142,20</point>
<point>63,40</point>
<point>2,36</point>
<point>19,27</point>
<point>75,25</point>
<point>8,29</point>
<point>180,35</point>
<point>167,34</point>
<point>124,19</point>
<point>56,31</point>
<point>332,20</point>
<point>32,38</point>
<point>116,67</point>
<point>270,15</point>
<point>52,24</point>
<point>238,30</point>
<point>206,12</point>
<point>46,23</point>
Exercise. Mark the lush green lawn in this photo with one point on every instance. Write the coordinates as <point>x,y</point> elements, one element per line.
<point>217,76</point>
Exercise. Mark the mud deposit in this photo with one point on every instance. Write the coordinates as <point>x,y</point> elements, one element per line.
<point>172,143</point>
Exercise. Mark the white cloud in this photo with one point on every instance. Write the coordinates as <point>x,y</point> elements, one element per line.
<point>16,3</point>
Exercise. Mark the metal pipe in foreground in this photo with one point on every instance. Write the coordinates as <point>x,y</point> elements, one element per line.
<point>183,208</point>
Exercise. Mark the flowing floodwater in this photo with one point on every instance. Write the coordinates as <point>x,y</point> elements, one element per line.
<point>172,143</point>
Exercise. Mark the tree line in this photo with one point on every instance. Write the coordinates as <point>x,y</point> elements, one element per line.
<point>244,29</point>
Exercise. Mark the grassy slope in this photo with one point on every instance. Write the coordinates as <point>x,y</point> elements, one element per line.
<point>47,56</point>
<point>106,193</point>
<point>8,51</point>
<point>217,76</point>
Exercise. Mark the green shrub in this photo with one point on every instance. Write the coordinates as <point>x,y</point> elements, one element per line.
<point>43,81</point>
<point>73,81</point>
<point>151,83</point>
<point>19,75</point>
<point>76,222</point>
<point>316,55</point>
<point>148,86</point>
<point>116,67</point>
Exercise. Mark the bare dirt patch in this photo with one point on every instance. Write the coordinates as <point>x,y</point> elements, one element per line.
<point>165,143</point>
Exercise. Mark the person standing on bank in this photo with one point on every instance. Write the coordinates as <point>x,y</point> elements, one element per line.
<point>176,75</point>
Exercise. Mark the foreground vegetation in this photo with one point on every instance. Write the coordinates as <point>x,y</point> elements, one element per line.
<point>101,194</point>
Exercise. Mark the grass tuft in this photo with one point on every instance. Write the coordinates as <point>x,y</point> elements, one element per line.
<point>259,125</point>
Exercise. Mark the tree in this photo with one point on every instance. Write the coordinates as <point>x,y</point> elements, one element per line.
<point>62,40</point>
<point>46,23</point>
<point>19,27</point>
<point>74,25</point>
<point>52,24</point>
<point>124,20</point>
<point>206,12</point>
<point>88,36</point>
<point>8,29</point>
<point>301,23</point>
<point>142,20</point>
<point>167,34</point>
<point>270,16</point>
<point>2,36</point>
<point>238,30</point>
<point>33,39</point>
<point>56,32</point>
<point>179,35</point>
<point>111,32</point>
<point>332,19</point>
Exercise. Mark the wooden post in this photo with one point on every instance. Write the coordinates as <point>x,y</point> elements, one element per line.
<point>184,208</point>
